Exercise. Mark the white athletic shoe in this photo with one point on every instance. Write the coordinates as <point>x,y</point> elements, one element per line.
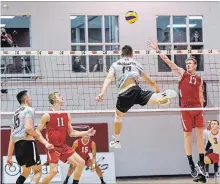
<point>170,94</point>
<point>207,177</point>
<point>114,143</point>
<point>166,96</point>
<point>217,178</point>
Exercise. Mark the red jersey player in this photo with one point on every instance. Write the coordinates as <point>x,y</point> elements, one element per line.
<point>191,91</point>
<point>83,147</point>
<point>57,126</point>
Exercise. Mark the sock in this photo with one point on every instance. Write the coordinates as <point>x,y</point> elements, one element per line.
<point>67,178</point>
<point>75,181</point>
<point>190,159</point>
<point>207,167</point>
<point>117,137</point>
<point>101,178</point>
<point>216,167</point>
<point>21,179</point>
<point>201,158</point>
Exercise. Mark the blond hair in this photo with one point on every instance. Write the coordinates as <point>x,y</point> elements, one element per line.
<point>192,59</point>
<point>52,97</point>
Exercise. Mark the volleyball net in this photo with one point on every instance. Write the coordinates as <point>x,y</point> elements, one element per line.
<point>79,75</point>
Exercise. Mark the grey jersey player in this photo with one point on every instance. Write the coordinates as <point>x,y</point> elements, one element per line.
<point>127,73</point>
<point>126,68</point>
<point>18,125</point>
<point>22,140</point>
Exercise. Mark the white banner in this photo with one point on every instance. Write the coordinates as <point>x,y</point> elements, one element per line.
<point>11,173</point>
<point>105,161</point>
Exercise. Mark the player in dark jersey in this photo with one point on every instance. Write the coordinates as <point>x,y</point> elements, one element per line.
<point>22,140</point>
<point>83,147</point>
<point>191,91</point>
<point>57,125</point>
<point>127,73</point>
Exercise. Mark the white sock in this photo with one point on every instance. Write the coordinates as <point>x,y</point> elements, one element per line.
<point>117,137</point>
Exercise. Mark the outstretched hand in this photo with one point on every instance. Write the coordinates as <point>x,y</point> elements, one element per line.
<point>153,44</point>
<point>49,146</point>
<point>91,132</point>
<point>9,161</point>
<point>99,97</point>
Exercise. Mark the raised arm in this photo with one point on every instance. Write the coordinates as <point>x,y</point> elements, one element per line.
<point>179,71</point>
<point>44,119</point>
<point>106,84</point>
<point>76,133</point>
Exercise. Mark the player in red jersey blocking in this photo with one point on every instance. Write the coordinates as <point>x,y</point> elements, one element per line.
<point>83,147</point>
<point>191,91</point>
<point>57,126</point>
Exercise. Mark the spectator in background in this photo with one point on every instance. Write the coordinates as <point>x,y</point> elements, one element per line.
<point>196,37</point>
<point>77,65</point>
<point>6,39</point>
<point>167,37</point>
<point>98,66</point>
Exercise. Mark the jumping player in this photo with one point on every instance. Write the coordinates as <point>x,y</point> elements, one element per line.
<point>127,73</point>
<point>57,125</point>
<point>22,140</point>
<point>191,91</point>
<point>83,147</point>
<point>213,137</point>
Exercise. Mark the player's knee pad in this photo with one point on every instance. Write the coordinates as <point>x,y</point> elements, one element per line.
<point>118,118</point>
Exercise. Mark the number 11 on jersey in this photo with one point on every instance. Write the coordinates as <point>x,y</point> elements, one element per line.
<point>60,122</point>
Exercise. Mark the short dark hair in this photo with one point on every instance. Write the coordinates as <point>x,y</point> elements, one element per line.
<point>126,51</point>
<point>21,96</point>
<point>215,120</point>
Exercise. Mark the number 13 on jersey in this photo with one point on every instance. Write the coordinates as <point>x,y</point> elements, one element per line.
<point>192,80</point>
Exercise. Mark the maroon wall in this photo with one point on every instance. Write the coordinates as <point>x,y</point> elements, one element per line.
<point>101,138</point>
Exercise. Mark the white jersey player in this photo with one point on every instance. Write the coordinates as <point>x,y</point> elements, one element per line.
<point>127,73</point>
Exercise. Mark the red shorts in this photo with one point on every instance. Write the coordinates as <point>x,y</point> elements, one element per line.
<point>59,153</point>
<point>87,161</point>
<point>214,157</point>
<point>192,119</point>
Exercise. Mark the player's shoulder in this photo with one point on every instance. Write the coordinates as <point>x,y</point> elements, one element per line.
<point>116,62</point>
<point>205,132</point>
<point>29,109</point>
<point>208,132</point>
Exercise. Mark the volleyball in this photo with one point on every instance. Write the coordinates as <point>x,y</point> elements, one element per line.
<point>131,17</point>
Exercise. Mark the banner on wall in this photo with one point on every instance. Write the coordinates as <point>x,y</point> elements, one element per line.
<point>11,173</point>
<point>105,161</point>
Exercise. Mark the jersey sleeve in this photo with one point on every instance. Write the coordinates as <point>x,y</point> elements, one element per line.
<point>205,134</point>
<point>29,113</point>
<point>12,123</point>
<point>112,68</point>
